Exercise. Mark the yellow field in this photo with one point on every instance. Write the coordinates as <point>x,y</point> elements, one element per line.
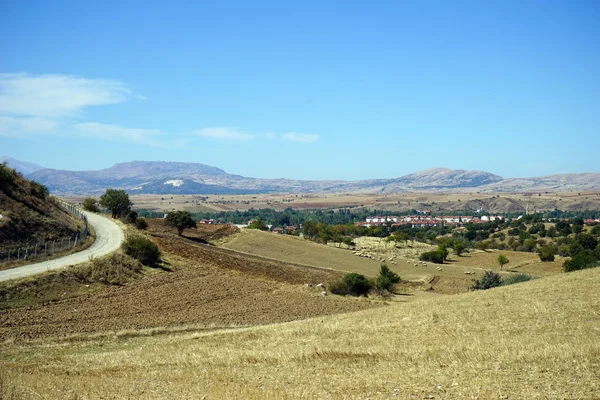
<point>301,251</point>
<point>449,278</point>
<point>534,340</point>
<point>528,263</point>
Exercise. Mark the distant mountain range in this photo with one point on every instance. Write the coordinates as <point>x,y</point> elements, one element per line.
<point>160,177</point>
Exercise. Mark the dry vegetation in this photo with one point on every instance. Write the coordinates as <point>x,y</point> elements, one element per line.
<point>401,258</point>
<point>493,202</point>
<point>29,214</point>
<point>535,340</point>
<point>207,286</point>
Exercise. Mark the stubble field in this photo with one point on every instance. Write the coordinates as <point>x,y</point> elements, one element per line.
<point>534,340</point>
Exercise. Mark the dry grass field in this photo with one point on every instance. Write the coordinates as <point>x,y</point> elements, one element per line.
<point>528,263</point>
<point>493,202</point>
<point>450,278</point>
<point>534,340</point>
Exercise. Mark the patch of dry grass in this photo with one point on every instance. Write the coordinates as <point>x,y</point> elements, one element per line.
<point>535,340</point>
<point>298,250</point>
<point>519,261</point>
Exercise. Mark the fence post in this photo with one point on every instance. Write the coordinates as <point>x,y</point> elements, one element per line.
<point>76,236</point>
<point>46,249</point>
<point>36,245</point>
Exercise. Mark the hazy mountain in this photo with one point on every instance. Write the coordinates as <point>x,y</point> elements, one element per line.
<point>159,177</point>
<point>23,167</point>
<point>553,183</point>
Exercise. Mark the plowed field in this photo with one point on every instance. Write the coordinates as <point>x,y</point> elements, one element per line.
<point>208,286</point>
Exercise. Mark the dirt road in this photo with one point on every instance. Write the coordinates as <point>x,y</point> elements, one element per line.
<point>109,237</point>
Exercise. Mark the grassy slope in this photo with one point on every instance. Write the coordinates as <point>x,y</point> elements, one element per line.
<point>452,275</point>
<point>297,250</point>
<point>518,261</point>
<point>30,215</point>
<point>539,339</point>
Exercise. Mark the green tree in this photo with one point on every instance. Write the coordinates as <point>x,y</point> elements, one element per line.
<point>386,278</point>
<point>180,220</point>
<point>502,260</point>
<point>459,248</point>
<point>258,224</point>
<point>310,229</point>
<point>547,252</point>
<point>90,204</point>
<point>117,201</point>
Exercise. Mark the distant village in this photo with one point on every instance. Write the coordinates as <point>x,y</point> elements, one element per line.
<point>424,221</point>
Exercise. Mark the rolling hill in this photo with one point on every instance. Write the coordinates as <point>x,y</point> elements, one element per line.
<point>157,177</point>
<point>533,340</point>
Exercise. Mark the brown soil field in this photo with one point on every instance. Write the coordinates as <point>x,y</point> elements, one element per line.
<point>208,286</point>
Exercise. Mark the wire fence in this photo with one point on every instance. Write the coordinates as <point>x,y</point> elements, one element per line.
<point>49,248</point>
<point>41,250</point>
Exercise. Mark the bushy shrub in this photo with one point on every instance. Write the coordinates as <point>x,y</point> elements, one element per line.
<point>437,256</point>
<point>351,284</point>
<point>546,253</point>
<point>8,176</point>
<point>258,224</point>
<point>386,279</point>
<point>143,249</point>
<point>490,279</point>
<point>564,250</point>
<point>581,260</point>
<point>90,204</point>
<point>131,217</point>
<point>38,190</point>
<point>515,278</point>
<point>595,230</point>
<point>115,269</point>
<point>141,223</point>
<point>348,241</point>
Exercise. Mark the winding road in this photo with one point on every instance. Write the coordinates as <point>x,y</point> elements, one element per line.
<point>109,237</point>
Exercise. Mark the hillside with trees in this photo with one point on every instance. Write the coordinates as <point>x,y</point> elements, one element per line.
<point>28,214</point>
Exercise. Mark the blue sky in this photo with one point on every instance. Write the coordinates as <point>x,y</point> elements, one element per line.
<point>307,90</point>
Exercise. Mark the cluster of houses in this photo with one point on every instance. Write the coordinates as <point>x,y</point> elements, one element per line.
<point>423,221</point>
<point>288,229</point>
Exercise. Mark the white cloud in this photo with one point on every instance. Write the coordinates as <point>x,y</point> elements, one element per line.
<point>234,134</point>
<point>18,127</point>
<point>52,96</point>
<point>118,133</point>
<point>300,137</point>
<point>54,104</point>
<point>224,133</point>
